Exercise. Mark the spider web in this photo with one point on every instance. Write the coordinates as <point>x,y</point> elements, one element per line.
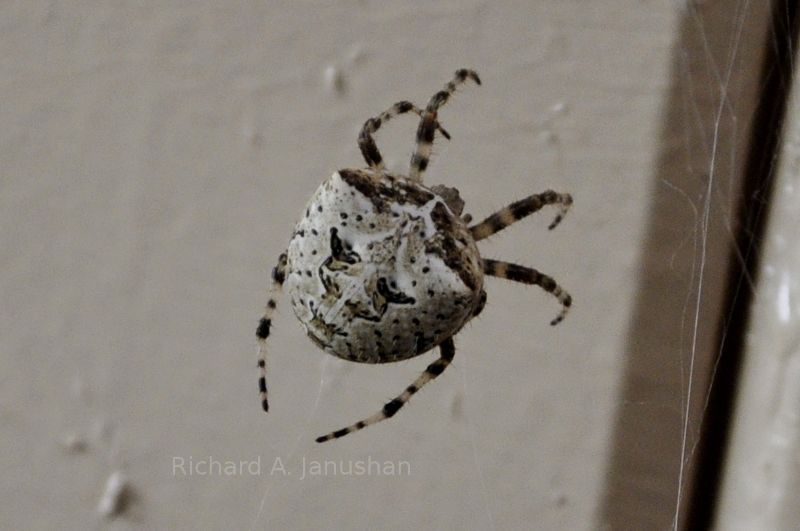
<point>737,196</point>
<point>738,129</point>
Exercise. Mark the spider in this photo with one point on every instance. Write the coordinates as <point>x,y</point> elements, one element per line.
<point>383,268</point>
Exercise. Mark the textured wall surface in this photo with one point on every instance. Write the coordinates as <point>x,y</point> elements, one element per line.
<point>154,160</point>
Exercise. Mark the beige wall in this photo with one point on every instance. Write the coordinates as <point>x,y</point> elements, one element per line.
<point>155,157</point>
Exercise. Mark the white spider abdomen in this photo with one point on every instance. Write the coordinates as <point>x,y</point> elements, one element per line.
<point>381,269</point>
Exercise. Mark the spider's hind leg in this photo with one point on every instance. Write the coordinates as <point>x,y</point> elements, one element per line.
<point>447,351</point>
<point>264,325</point>
<point>520,209</point>
<point>528,275</point>
<point>367,144</point>
<point>427,125</point>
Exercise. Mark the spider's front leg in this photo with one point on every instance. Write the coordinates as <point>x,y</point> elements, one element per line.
<point>447,351</point>
<point>367,144</point>
<point>528,275</point>
<point>520,209</point>
<point>427,125</point>
<point>262,332</point>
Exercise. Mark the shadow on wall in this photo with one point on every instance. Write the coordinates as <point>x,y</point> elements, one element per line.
<point>673,336</point>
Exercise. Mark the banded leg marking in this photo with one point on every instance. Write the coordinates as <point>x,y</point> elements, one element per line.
<point>447,351</point>
<point>367,144</point>
<point>427,125</point>
<point>527,275</point>
<point>264,325</point>
<point>520,209</point>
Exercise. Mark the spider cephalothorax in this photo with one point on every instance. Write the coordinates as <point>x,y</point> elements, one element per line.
<point>382,268</point>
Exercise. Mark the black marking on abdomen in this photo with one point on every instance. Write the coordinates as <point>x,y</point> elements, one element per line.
<point>340,253</point>
<point>397,297</point>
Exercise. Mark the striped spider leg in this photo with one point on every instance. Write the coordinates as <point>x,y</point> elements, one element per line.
<point>526,275</point>
<point>447,350</point>
<point>264,325</point>
<point>428,123</point>
<point>367,144</point>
